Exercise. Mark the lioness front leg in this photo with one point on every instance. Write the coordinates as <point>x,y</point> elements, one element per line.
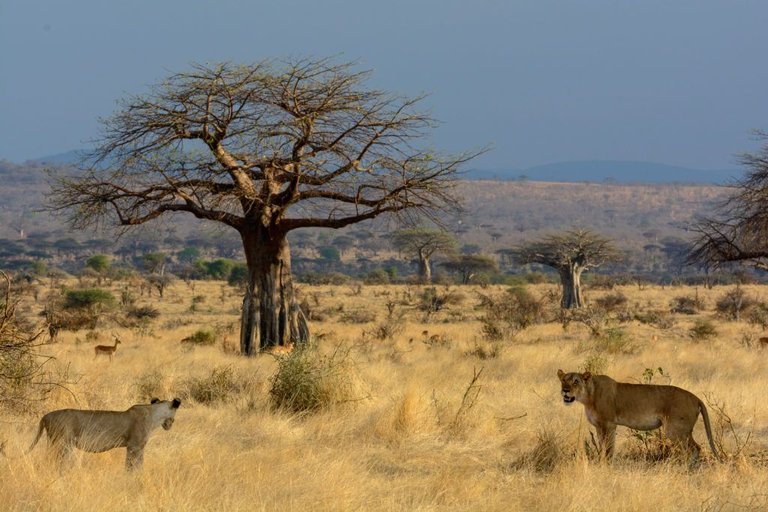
<point>606,438</point>
<point>134,457</point>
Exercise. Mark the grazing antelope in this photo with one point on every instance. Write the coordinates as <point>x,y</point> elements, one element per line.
<point>279,349</point>
<point>106,350</point>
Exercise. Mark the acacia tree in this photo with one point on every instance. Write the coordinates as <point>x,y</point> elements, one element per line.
<point>570,253</point>
<point>469,265</point>
<point>265,149</point>
<point>424,242</point>
<point>738,231</point>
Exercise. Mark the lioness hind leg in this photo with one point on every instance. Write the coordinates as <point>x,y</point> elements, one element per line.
<point>681,440</point>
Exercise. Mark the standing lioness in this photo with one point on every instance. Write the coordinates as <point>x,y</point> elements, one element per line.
<point>99,431</point>
<point>608,403</point>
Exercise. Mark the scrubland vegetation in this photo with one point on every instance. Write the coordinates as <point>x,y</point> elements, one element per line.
<point>410,398</point>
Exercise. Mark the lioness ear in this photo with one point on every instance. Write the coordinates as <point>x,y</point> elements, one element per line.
<point>154,400</point>
<point>586,376</point>
<point>560,374</point>
<point>176,403</point>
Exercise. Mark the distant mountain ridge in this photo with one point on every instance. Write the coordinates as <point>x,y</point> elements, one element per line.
<point>618,171</point>
<point>595,171</point>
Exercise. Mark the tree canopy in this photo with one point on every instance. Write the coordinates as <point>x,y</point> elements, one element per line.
<point>738,230</point>
<point>266,149</point>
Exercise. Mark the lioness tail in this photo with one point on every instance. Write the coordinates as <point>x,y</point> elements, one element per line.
<point>708,428</point>
<point>39,433</point>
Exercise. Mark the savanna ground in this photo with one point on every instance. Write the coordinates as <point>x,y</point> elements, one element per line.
<point>417,412</point>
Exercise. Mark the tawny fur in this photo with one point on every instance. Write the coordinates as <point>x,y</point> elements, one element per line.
<point>99,431</point>
<point>608,403</point>
<point>106,350</point>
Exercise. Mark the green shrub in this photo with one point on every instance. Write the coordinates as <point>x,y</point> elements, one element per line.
<point>201,337</point>
<point>88,298</point>
<point>702,329</point>
<point>143,312</point>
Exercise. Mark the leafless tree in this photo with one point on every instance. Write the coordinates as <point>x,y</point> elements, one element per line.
<point>424,242</point>
<point>264,149</point>
<point>570,253</point>
<point>738,230</point>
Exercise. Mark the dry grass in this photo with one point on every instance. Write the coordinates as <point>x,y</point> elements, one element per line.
<point>433,426</point>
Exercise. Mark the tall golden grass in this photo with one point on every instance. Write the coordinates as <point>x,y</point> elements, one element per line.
<point>439,418</point>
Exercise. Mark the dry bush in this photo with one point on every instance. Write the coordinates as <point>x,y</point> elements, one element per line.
<point>308,381</point>
<point>221,386</point>
<point>549,452</point>
<point>596,364</point>
<point>686,305</point>
<point>612,302</point>
<point>507,315</point>
<point>459,423</point>
<point>358,316</point>
<point>150,384</point>
<point>724,429</point>
<point>431,300</point>
<point>391,326</point>
<point>594,318</point>
<point>758,315</point>
<point>484,350</point>
<point>657,318</point>
<point>734,303</point>
<point>614,340</point>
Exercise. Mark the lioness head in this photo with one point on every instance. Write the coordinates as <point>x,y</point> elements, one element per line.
<point>574,386</point>
<point>165,410</point>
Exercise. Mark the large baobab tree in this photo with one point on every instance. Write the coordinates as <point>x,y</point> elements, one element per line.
<point>264,149</point>
<point>738,230</point>
<point>424,242</point>
<point>570,253</point>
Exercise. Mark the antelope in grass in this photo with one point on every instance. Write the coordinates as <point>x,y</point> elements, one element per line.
<point>106,350</point>
<point>279,349</point>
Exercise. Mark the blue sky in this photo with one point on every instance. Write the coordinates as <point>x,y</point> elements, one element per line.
<point>680,82</point>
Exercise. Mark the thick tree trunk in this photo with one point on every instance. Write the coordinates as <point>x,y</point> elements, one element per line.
<point>271,315</point>
<point>570,278</point>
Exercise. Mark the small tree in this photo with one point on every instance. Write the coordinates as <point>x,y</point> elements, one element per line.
<point>570,253</point>
<point>23,376</point>
<point>469,265</point>
<point>424,242</point>
<point>98,262</point>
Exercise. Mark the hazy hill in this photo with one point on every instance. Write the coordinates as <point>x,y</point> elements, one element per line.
<point>598,171</point>
<point>648,221</point>
<point>609,171</point>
